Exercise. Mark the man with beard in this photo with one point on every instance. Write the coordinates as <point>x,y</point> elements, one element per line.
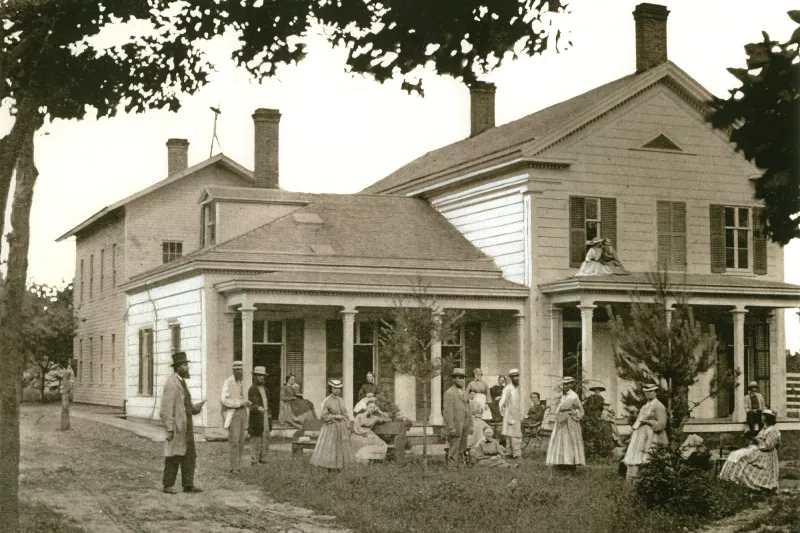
<point>511,409</point>
<point>177,410</point>
<point>456,418</point>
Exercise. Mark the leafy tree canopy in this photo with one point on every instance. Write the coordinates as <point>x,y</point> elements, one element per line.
<point>763,119</point>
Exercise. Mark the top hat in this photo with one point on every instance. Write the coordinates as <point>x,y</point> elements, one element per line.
<point>178,358</point>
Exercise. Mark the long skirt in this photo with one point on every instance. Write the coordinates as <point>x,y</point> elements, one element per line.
<point>638,451</point>
<point>368,447</point>
<point>566,444</point>
<point>494,461</point>
<point>333,446</point>
<point>294,412</point>
<point>752,468</point>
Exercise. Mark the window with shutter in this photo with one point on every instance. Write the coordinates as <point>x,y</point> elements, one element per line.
<point>671,228</point>
<point>295,338</point>
<point>334,343</point>
<point>146,362</point>
<point>577,231</point>
<point>590,218</point>
<point>759,242</point>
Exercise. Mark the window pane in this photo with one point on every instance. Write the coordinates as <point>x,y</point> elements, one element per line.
<point>729,258</point>
<point>729,238</point>
<point>592,230</point>
<point>743,258</point>
<point>743,241</point>
<point>592,208</point>
<point>258,331</point>
<point>744,217</point>
<point>730,213</point>
<point>275,331</point>
<point>366,332</point>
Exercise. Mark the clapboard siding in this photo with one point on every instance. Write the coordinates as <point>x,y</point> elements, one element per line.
<point>492,216</point>
<point>180,303</point>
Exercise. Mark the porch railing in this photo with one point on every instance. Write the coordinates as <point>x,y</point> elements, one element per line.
<point>793,395</point>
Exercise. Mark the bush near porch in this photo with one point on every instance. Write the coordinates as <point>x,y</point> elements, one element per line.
<point>391,498</point>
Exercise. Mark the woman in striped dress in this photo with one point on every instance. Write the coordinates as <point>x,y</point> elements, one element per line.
<point>566,442</point>
<point>648,431</point>
<point>333,445</point>
<point>756,466</point>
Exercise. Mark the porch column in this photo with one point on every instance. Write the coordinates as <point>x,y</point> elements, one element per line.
<point>587,312</point>
<point>738,313</point>
<point>348,318</point>
<point>436,383</point>
<point>556,340</point>
<point>777,365</point>
<point>247,346</point>
<point>524,361</point>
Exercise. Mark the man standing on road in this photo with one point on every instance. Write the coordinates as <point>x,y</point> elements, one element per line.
<point>177,410</point>
<point>456,418</point>
<point>259,417</point>
<point>511,409</point>
<point>66,387</point>
<point>235,404</point>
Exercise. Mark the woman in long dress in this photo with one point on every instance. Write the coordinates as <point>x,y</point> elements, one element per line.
<point>478,424</point>
<point>364,442</point>
<point>294,409</point>
<point>756,466</point>
<point>565,451</point>
<point>333,445</point>
<point>649,431</point>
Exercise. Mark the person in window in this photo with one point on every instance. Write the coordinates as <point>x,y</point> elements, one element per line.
<point>368,389</point>
<point>332,450</point>
<point>294,410</point>
<point>496,393</point>
<point>756,466</point>
<point>366,445</point>
<point>601,259</point>
<point>754,405</point>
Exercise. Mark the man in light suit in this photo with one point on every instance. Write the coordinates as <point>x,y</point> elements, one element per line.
<point>177,410</point>
<point>511,409</point>
<point>457,420</point>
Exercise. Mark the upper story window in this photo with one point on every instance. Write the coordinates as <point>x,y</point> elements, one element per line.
<point>738,242</point>
<point>91,277</point>
<point>671,227</point>
<point>114,265</point>
<point>590,217</point>
<point>82,280</point>
<point>102,269</point>
<point>146,375</point>
<point>171,250</point>
<point>175,338</point>
<point>208,234</point>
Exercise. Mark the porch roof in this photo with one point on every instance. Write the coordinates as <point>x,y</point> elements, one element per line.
<point>718,289</point>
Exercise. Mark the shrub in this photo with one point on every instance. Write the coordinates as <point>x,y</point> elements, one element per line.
<point>597,438</point>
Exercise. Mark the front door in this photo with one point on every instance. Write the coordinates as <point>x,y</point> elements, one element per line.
<point>269,356</point>
<point>725,363</point>
<point>756,368</point>
<point>571,353</point>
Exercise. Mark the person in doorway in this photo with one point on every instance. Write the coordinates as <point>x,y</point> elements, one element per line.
<point>754,405</point>
<point>649,431</point>
<point>66,387</point>
<point>235,414</point>
<point>258,426</point>
<point>176,414</point>
<point>496,392</point>
<point>333,445</point>
<point>565,450</point>
<point>368,389</point>
<point>511,409</point>
<point>482,394</point>
<point>457,422</point>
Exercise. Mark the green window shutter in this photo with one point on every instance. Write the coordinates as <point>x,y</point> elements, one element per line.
<point>664,238</point>
<point>295,342</point>
<point>717,228</point>
<point>759,242</point>
<point>678,236</point>
<point>577,231</point>
<point>608,221</point>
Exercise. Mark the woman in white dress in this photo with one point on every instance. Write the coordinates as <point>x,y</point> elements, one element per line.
<point>565,451</point>
<point>649,431</point>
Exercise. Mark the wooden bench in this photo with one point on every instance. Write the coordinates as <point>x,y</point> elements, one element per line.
<point>392,433</point>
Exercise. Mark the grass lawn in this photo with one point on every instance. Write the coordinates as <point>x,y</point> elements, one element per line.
<point>38,518</point>
<point>391,498</point>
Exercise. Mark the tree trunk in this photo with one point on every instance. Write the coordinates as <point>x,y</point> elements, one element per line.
<point>10,325</point>
<point>425,426</point>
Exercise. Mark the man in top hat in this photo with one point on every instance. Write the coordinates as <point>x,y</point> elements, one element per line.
<point>177,410</point>
<point>259,417</point>
<point>754,405</point>
<point>235,406</point>
<point>456,415</point>
<point>511,409</point>
<point>481,390</point>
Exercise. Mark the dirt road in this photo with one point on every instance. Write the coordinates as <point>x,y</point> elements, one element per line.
<point>109,481</point>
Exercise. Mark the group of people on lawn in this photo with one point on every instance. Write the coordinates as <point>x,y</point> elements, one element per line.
<point>467,412</point>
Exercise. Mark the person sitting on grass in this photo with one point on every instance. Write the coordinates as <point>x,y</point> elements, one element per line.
<point>489,453</point>
<point>478,424</point>
<point>756,467</point>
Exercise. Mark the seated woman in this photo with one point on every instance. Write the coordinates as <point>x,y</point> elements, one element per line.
<point>368,389</point>
<point>294,409</point>
<point>489,453</point>
<point>756,466</point>
<point>535,414</point>
<point>478,424</point>
<point>366,445</point>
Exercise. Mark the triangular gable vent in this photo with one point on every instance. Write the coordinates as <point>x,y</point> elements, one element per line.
<point>662,142</point>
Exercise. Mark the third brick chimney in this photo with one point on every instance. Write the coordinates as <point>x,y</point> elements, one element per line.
<point>177,155</point>
<point>481,101</point>
<point>651,35</point>
<point>266,124</point>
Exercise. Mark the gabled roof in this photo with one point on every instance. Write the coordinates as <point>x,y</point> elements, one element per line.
<point>222,159</point>
<point>539,129</point>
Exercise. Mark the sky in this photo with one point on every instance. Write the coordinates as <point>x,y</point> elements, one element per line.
<point>340,133</point>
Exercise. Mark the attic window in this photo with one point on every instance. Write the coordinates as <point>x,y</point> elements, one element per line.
<point>307,218</point>
<point>322,249</point>
<point>662,142</point>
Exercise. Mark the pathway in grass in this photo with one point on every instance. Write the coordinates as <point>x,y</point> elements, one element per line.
<point>102,479</point>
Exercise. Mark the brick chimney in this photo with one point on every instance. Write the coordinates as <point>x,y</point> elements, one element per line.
<point>481,103</point>
<point>266,124</point>
<point>177,155</point>
<point>651,35</point>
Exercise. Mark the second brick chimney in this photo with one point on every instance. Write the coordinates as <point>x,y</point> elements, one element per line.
<point>481,102</point>
<point>651,35</point>
<point>266,124</point>
<point>177,155</point>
